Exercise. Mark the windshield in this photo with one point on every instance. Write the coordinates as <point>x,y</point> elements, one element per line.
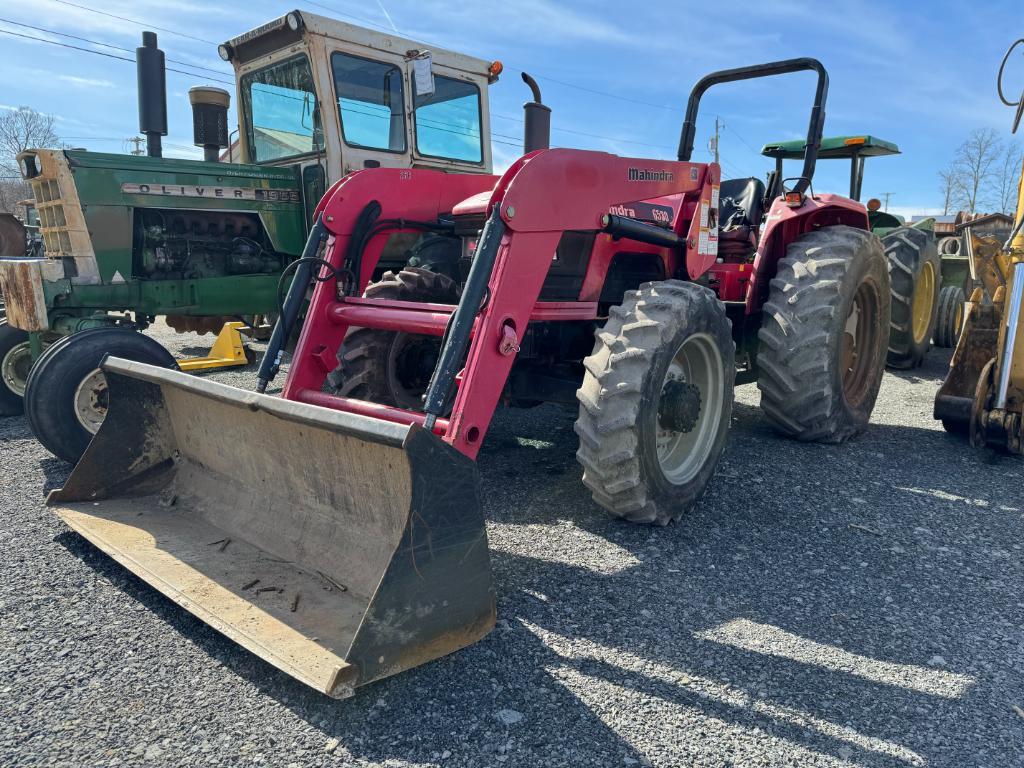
<point>448,121</point>
<point>281,115</point>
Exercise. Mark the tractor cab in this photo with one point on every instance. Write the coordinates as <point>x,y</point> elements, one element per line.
<point>334,98</point>
<point>856,149</point>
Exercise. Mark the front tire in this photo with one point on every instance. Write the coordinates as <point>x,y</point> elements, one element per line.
<point>388,367</point>
<point>824,334</point>
<point>65,396</point>
<point>15,364</point>
<point>656,401</point>
<point>914,275</point>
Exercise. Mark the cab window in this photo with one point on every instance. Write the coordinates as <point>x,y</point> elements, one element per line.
<point>371,100</point>
<point>448,121</point>
<point>281,115</point>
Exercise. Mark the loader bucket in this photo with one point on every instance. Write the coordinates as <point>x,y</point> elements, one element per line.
<point>339,548</point>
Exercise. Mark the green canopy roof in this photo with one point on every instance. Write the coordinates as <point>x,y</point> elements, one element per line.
<point>834,147</point>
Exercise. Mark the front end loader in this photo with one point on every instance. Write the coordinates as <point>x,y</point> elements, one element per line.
<point>347,542</point>
<point>983,393</point>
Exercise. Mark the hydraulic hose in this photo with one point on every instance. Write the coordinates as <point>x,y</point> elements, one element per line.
<point>291,306</point>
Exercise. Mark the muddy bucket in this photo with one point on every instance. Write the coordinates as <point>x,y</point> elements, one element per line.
<point>339,548</point>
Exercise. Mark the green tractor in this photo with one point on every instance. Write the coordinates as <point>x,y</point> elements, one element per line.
<point>129,238</point>
<point>915,271</point>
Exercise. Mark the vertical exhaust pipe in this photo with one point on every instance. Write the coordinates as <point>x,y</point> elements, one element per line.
<point>152,80</point>
<point>537,125</point>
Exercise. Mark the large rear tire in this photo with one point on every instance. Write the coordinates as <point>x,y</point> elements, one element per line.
<point>656,401</point>
<point>390,367</point>
<point>914,276</point>
<point>824,335</point>
<point>950,316</point>
<point>65,395</point>
<point>15,364</point>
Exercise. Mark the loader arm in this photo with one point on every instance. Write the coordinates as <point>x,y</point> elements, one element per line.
<point>523,229</point>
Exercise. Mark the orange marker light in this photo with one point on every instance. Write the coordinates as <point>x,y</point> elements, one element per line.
<point>855,140</point>
<point>874,204</point>
<point>495,69</point>
<point>794,199</point>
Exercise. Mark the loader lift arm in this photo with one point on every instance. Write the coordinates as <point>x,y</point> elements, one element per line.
<point>523,232</point>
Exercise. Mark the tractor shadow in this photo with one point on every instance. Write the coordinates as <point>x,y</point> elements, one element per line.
<point>822,602</point>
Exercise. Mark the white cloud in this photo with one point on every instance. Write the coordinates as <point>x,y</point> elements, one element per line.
<point>86,82</point>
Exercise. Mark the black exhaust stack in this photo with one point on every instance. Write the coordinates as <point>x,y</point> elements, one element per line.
<point>152,78</point>
<point>210,120</point>
<point>537,127</point>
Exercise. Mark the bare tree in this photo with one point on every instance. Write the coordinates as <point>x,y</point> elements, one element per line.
<point>20,129</point>
<point>1009,177</point>
<point>976,166</point>
<point>948,185</point>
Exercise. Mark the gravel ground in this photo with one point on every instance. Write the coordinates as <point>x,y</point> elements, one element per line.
<point>825,605</point>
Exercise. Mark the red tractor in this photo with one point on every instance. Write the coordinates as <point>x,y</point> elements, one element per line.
<point>637,290</point>
<point>617,284</point>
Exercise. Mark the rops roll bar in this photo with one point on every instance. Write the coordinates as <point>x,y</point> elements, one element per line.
<point>814,129</point>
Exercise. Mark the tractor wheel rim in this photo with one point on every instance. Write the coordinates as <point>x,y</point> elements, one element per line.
<point>681,455</point>
<point>923,302</point>
<point>16,365</point>
<point>91,401</point>
<point>860,342</point>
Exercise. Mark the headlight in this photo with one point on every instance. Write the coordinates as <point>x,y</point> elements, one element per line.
<point>294,21</point>
<point>224,51</point>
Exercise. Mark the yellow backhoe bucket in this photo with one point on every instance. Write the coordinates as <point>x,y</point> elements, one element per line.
<point>339,548</point>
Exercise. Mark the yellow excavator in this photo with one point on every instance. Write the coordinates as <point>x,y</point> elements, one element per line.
<point>983,394</point>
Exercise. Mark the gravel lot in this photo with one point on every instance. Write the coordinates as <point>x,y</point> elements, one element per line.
<point>832,606</point>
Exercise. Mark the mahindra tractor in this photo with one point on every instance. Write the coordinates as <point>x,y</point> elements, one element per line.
<point>201,243</point>
<point>636,290</point>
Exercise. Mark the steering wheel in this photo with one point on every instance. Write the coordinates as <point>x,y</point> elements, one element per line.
<point>999,86</point>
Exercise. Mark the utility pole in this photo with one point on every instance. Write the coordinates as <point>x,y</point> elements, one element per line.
<point>887,195</point>
<point>138,142</point>
<point>713,143</point>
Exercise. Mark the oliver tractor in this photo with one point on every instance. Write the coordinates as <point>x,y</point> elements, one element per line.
<point>202,243</point>
<point>635,290</point>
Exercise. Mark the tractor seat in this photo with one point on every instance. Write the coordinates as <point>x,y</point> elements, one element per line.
<point>740,207</point>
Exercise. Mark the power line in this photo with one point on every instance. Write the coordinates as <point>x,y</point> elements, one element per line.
<point>619,139</point>
<point>135,21</point>
<point>106,45</point>
<point>744,141</point>
<point>586,89</point>
<point>538,75</point>
<point>388,30</point>
<point>108,55</point>
<point>64,45</point>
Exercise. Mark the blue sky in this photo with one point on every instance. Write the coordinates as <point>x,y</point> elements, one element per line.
<point>919,73</point>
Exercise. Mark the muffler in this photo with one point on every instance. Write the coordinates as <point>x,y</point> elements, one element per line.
<point>339,548</point>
